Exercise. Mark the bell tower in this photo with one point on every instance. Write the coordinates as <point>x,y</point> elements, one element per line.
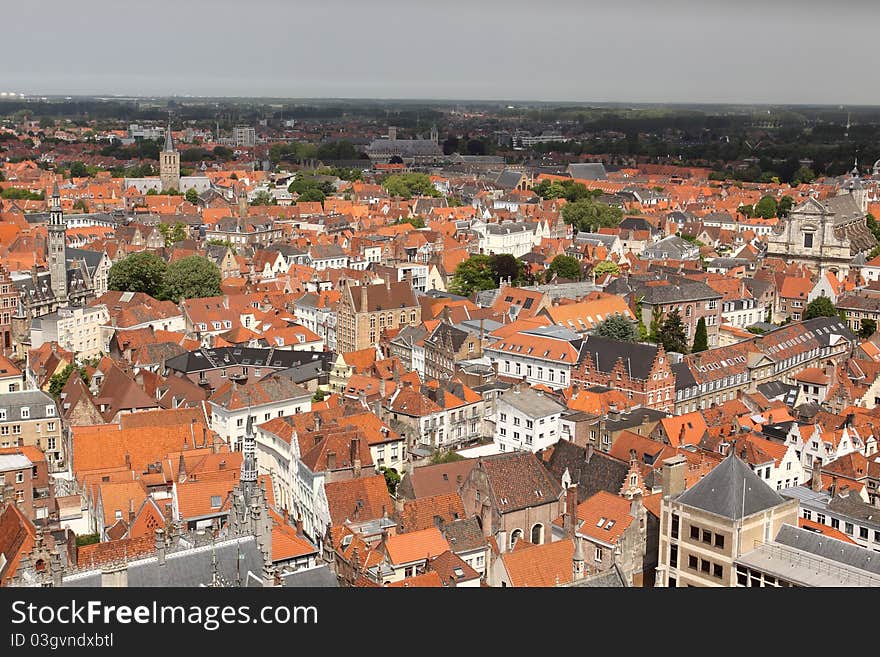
<point>169,163</point>
<point>56,245</point>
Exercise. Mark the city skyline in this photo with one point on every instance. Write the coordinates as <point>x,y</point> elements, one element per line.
<point>680,53</point>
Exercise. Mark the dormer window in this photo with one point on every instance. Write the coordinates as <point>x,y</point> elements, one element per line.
<point>25,412</point>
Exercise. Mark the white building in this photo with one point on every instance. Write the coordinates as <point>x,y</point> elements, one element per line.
<point>544,355</point>
<point>234,405</point>
<point>295,486</point>
<point>515,238</point>
<point>526,420</point>
<point>742,312</point>
<point>75,328</point>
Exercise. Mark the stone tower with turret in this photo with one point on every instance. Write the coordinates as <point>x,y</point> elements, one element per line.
<point>169,163</point>
<point>56,247</point>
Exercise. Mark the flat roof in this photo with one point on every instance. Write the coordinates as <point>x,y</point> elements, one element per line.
<point>804,568</point>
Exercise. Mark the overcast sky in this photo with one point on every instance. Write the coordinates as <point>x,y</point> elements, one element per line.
<point>773,51</point>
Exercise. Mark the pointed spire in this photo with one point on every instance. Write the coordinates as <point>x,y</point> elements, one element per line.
<point>169,140</point>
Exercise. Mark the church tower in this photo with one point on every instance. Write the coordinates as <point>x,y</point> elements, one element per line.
<point>56,245</point>
<point>435,136</point>
<point>169,163</point>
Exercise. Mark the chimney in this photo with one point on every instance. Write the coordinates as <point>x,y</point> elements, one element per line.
<point>577,560</point>
<point>331,460</point>
<point>160,546</point>
<point>130,511</point>
<point>181,469</point>
<point>382,388</point>
<point>356,456</point>
<point>673,476</point>
<point>816,481</point>
<point>299,526</point>
<point>833,490</point>
<point>486,520</point>
<point>570,519</point>
<point>363,307</point>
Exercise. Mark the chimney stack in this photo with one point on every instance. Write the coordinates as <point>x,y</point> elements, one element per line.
<point>673,476</point>
<point>356,456</point>
<point>160,546</point>
<point>570,518</point>
<point>331,460</point>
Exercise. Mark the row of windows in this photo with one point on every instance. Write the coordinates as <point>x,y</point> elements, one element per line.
<point>848,527</point>
<point>25,412</point>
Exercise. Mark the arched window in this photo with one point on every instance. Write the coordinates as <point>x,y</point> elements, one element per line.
<point>688,310</point>
<point>515,536</point>
<point>538,534</point>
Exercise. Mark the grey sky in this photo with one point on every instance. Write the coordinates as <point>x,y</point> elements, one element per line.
<point>775,51</point>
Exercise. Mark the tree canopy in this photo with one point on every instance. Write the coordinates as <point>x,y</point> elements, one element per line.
<point>173,234</point>
<point>567,189</point>
<point>59,380</point>
<point>820,307</point>
<point>565,267</point>
<point>672,334</point>
<point>407,185</point>
<point>484,272</point>
<point>701,337</point>
<point>191,277</point>
<point>766,208</point>
<point>139,272</point>
<point>589,215</point>
<point>192,195</point>
<point>618,327</point>
<point>606,267</point>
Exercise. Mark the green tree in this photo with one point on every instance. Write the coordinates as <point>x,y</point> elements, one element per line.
<point>701,337</point>
<point>868,328</point>
<point>59,380</point>
<point>785,204</point>
<point>643,330</point>
<point>312,195</point>
<point>567,189</point>
<point>672,334</point>
<point>16,194</point>
<point>318,396</point>
<point>820,307</point>
<point>618,327</point>
<point>415,222</point>
<point>445,456</point>
<point>192,196</point>
<point>803,175</point>
<point>78,170</point>
<point>80,205</point>
<point>508,268</point>
<point>766,208</point>
<point>190,278</point>
<point>606,267</point>
<point>264,198</point>
<point>173,234</point>
<point>407,185</point>
<point>588,215</point>
<point>392,479</point>
<point>473,275</point>
<point>139,272</point>
<point>565,267</point>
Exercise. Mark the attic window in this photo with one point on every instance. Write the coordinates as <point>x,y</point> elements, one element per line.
<point>610,524</point>
<point>601,521</point>
<point>215,502</point>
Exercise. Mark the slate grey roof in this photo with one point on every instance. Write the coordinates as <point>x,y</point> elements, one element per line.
<point>510,227</point>
<point>779,390</point>
<point>35,400</point>
<point>91,258</point>
<point>676,292</point>
<point>731,490</point>
<point>595,238</point>
<point>831,548</point>
<point>508,179</point>
<point>188,567</point>
<point>809,558</point>
<point>407,147</point>
<point>604,353</point>
<point>611,578</point>
<point>318,577</point>
<point>675,247</point>
<point>209,359</point>
<point>588,171</point>
<point>531,402</point>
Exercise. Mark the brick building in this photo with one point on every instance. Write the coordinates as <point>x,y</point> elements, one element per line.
<point>365,311</point>
<point>641,371</point>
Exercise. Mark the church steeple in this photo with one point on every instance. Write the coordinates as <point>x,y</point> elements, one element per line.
<point>248,477</point>
<point>169,140</point>
<point>56,247</point>
<point>169,163</point>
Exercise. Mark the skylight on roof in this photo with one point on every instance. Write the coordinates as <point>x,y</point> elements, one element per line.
<point>601,521</point>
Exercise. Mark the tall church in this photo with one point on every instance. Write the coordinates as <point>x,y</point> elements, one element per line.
<point>828,235</point>
<point>169,163</point>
